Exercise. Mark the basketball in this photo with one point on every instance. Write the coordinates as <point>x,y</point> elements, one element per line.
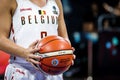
<point>57,55</point>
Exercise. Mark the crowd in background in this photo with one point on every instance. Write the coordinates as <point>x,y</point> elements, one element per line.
<point>85,19</point>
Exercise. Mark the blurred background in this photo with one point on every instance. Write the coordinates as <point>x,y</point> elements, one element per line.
<point>94,31</point>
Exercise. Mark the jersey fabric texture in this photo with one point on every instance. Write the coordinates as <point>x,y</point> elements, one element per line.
<point>30,23</point>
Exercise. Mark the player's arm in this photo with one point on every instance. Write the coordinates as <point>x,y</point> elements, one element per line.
<point>7,8</point>
<point>62,31</point>
<point>5,26</point>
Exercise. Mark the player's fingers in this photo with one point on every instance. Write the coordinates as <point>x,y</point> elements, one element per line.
<point>32,57</point>
<point>72,62</point>
<point>34,61</point>
<point>36,57</point>
<point>74,56</point>
<point>33,50</point>
<point>73,49</point>
<point>73,59</point>
<point>34,43</point>
<point>38,54</point>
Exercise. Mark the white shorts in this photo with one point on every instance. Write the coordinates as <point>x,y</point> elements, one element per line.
<point>19,72</point>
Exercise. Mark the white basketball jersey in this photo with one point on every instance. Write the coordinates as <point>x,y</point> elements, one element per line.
<point>31,23</point>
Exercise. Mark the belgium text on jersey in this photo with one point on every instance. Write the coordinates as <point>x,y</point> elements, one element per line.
<point>41,19</point>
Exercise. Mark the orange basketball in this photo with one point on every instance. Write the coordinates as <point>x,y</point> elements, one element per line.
<point>57,55</point>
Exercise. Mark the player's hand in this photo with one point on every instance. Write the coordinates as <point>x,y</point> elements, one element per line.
<point>33,59</point>
<point>74,56</point>
<point>73,59</point>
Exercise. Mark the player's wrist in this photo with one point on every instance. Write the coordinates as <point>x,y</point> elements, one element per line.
<point>25,55</point>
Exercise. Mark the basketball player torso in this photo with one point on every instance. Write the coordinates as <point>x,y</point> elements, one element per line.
<point>31,22</point>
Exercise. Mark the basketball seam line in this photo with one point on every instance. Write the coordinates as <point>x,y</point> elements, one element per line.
<point>50,54</point>
<point>56,55</point>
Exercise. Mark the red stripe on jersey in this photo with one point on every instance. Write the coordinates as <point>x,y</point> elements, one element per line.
<point>12,29</point>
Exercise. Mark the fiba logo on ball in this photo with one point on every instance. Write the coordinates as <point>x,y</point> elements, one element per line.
<point>55,62</point>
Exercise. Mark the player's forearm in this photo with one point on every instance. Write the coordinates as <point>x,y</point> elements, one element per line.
<point>10,47</point>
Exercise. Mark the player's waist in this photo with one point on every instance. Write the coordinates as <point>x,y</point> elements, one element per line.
<point>17,60</point>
